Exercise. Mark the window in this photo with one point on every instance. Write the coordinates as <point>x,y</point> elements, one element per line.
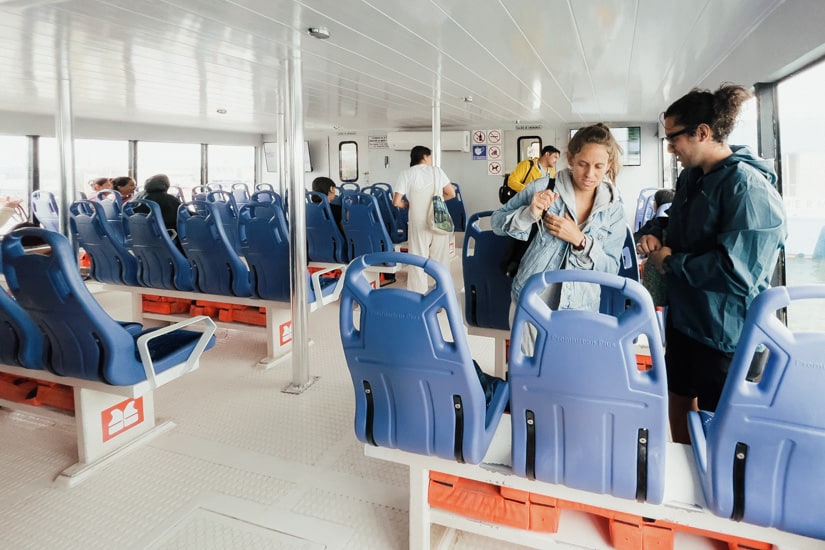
<point>14,166</point>
<point>802,140</point>
<point>529,147</point>
<point>180,161</point>
<point>231,163</point>
<point>93,158</point>
<point>348,161</point>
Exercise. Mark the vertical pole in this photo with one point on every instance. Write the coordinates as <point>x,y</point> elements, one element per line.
<point>437,116</point>
<point>297,226</point>
<point>64,129</point>
<point>204,164</point>
<point>281,141</point>
<point>34,171</point>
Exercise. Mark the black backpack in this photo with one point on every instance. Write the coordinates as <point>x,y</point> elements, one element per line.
<point>505,192</point>
<point>520,247</point>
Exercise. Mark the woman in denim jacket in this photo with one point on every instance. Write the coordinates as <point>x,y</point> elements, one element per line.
<point>581,223</point>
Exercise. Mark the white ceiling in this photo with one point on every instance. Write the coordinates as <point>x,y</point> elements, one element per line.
<point>554,61</point>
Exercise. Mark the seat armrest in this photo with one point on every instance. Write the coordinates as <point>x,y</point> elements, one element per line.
<point>339,284</point>
<point>203,341</point>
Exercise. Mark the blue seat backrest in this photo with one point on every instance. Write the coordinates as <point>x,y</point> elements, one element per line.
<point>215,186</point>
<point>583,413</point>
<point>486,286</point>
<point>760,455</point>
<point>225,203</point>
<point>240,192</point>
<point>111,260</point>
<point>325,241</point>
<point>456,208</point>
<point>112,203</point>
<point>44,208</point>
<point>349,187</point>
<point>21,343</point>
<point>80,338</point>
<point>265,195</point>
<point>264,187</point>
<point>364,228</point>
<point>612,303</point>
<point>161,262</point>
<point>383,196</point>
<point>199,193</point>
<point>217,267</point>
<point>644,207</point>
<point>416,388</point>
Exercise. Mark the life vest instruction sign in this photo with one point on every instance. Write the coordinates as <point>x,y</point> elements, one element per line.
<point>121,417</point>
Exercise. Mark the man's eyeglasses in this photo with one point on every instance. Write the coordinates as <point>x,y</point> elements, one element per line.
<point>672,137</point>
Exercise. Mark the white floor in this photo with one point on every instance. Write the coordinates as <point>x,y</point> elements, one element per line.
<point>246,466</point>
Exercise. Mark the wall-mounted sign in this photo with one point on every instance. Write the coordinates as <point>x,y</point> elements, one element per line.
<point>479,137</point>
<point>493,152</point>
<point>494,137</point>
<point>479,152</point>
<point>494,168</point>
<point>377,142</point>
<point>529,126</point>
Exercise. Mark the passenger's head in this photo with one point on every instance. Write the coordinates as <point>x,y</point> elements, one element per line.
<point>325,185</point>
<point>158,182</point>
<point>593,153</point>
<point>124,185</point>
<point>549,156</point>
<point>663,196</point>
<point>99,184</point>
<point>420,155</point>
<point>704,110</point>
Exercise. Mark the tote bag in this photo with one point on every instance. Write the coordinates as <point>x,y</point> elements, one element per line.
<point>439,216</point>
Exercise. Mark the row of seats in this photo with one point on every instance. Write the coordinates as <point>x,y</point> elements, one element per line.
<point>52,322</point>
<point>583,413</point>
<point>146,255</point>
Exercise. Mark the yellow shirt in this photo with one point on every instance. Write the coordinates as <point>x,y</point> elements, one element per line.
<point>515,182</point>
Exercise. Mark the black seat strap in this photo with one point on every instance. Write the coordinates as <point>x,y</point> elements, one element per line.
<point>740,457</point>
<point>370,414</point>
<point>458,443</point>
<point>641,465</point>
<point>530,451</point>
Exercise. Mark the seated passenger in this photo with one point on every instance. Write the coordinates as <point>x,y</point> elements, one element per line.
<point>156,189</point>
<point>125,186</point>
<point>99,184</point>
<point>327,186</point>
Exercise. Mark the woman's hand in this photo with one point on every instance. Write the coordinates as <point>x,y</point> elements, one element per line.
<point>563,228</point>
<point>541,202</point>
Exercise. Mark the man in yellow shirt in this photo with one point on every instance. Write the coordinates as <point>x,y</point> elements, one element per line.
<point>528,170</point>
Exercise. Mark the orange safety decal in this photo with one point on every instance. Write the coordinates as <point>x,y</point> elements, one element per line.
<point>119,418</point>
<point>285,332</point>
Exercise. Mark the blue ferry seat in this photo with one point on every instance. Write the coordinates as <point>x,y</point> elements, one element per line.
<point>583,413</point>
<point>111,260</point>
<point>176,191</point>
<point>240,192</point>
<point>389,213</point>
<point>349,187</point>
<point>486,286</point>
<point>112,203</point>
<point>264,240</point>
<point>228,208</point>
<point>199,193</point>
<point>264,187</point>
<point>760,455</point>
<point>416,388</point>
<point>161,263</point>
<point>400,215</point>
<point>80,339</point>
<point>325,242</point>
<point>456,208</point>
<point>364,228</point>
<point>44,208</point>
<point>217,267</point>
<point>644,207</point>
<point>613,302</point>
<point>21,343</point>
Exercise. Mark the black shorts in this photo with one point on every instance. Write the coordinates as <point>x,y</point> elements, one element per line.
<point>694,369</point>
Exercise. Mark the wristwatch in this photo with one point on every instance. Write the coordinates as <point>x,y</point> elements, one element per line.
<point>582,244</point>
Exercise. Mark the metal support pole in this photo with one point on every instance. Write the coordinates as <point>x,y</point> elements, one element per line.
<point>64,130</point>
<point>297,228</point>
<point>437,116</point>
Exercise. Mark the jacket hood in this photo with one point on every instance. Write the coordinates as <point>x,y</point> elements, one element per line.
<point>606,193</point>
<point>741,153</point>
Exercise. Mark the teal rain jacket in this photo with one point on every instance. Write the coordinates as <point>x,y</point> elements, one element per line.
<point>725,229</point>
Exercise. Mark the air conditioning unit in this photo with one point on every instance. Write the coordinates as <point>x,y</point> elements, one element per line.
<point>450,141</point>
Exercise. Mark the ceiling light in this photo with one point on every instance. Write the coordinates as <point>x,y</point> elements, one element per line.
<point>318,32</point>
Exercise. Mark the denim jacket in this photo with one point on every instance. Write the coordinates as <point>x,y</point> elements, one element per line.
<point>605,230</point>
